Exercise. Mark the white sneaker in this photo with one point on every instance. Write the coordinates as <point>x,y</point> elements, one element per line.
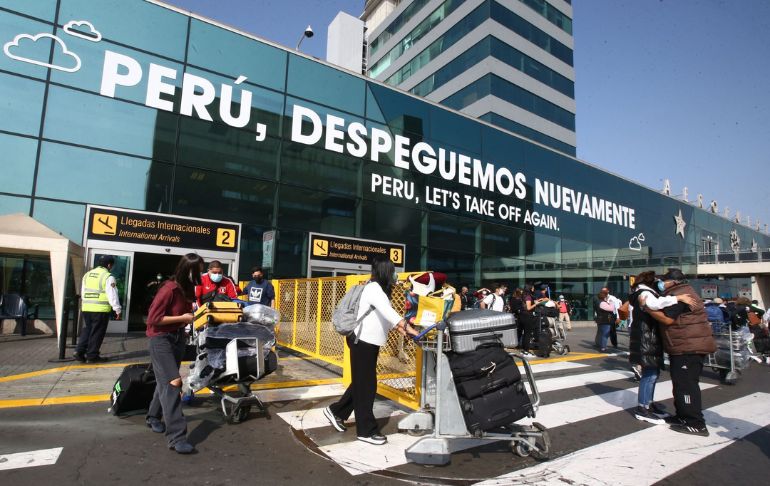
<point>376,439</point>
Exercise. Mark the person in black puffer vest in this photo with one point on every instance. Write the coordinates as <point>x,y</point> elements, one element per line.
<point>645,345</point>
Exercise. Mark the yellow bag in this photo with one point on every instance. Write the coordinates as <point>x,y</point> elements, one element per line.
<point>430,310</point>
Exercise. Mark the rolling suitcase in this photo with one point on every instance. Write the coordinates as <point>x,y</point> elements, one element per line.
<point>217,313</point>
<point>504,374</point>
<point>132,392</point>
<point>475,328</point>
<point>478,363</point>
<point>496,409</point>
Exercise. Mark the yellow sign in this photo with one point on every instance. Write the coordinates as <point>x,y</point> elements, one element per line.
<point>396,255</point>
<point>321,248</point>
<point>226,237</point>
<point>104,224</point>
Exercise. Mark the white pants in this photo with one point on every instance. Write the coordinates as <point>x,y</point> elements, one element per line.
<point>564,316</point>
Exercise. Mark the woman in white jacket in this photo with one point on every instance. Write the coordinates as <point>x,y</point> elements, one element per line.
<point>359,396</point>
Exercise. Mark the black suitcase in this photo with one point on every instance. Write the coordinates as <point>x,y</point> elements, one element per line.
<point>505,374</point>
<point>477,363</point>
<point>544,342</point>
<point>133,391</point>
<point>497,409</point>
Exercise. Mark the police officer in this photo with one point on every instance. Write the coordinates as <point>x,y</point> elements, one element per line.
<point>99,297</point>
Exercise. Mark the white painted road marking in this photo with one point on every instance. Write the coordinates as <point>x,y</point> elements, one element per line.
<point>557,366</point>
<point>350,456</point>
<point>301,393</point>
<point>663,452</point>
<point>314,417</point>
<point>43,457</point>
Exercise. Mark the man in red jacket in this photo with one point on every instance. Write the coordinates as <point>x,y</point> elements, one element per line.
<point>215,282</point>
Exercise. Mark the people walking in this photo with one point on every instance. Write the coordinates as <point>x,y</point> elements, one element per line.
<point>564,311</point>
<point>687,339</point>
<point>364,350</point>
<point>170,312</point>
<point>99,297</point>
<point>604,316</point>
<point>496,300</point>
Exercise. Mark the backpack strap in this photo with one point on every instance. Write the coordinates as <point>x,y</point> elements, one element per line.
<point>360,322</point>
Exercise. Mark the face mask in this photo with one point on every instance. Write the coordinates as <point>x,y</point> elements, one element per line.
<point>258,278</point>
<point>159,277</point>
<point>215,277</point>
<point>661,285</point>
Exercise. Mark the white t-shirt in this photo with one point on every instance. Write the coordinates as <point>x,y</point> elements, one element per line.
<point>381,320</point>
<point>494,302</point>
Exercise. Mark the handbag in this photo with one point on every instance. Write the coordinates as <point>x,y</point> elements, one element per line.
<point>431,309</point>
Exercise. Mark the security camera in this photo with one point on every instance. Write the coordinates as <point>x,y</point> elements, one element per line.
<point>309,32</point>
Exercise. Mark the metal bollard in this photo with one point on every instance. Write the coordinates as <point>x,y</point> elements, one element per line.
<point>63,333</point>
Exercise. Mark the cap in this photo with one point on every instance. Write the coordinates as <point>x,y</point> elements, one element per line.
<point>674,274</point>
<point>561,297</point>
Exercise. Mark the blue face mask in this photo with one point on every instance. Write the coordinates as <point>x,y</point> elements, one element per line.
<point>215,277</point>
<point>661,286</point>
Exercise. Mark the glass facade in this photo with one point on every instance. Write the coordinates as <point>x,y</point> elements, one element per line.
<point>171,114</point>
<point>490,46</point>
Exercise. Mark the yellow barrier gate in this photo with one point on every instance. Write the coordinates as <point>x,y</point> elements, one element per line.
<point>306,307</point>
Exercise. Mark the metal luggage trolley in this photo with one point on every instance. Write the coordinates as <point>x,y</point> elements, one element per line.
<point>440,412</point>
<point>728,369</point>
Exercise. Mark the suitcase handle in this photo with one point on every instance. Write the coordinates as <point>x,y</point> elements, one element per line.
<point>488,337</point>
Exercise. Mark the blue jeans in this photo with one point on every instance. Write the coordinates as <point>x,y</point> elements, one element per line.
<point>647,385</point>
<point>604,334</point>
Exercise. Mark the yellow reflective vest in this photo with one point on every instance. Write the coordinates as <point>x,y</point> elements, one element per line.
<point>94,298</point>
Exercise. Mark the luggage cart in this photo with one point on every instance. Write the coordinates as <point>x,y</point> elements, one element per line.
<point>729,369</point>
<point>241,369</point>
<point>440,412</point>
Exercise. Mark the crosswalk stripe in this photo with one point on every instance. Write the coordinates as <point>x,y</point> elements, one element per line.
<point>558,366</point>
<point>664,453</point>
<point>314,417</point>
<point>43,457</point>
<point>579,409</point>
<point>354,456</point>
<point>301,393</point>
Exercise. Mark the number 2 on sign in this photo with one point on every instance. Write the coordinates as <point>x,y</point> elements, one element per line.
<point>226,237</point>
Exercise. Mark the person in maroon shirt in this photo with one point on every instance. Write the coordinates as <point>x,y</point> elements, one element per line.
<point>215,282</point>
<point>170,312</point>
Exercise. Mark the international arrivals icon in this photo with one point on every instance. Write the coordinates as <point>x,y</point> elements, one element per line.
<point>36,48</point>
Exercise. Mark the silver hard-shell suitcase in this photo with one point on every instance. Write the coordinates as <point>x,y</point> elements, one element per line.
<point>473,328</point>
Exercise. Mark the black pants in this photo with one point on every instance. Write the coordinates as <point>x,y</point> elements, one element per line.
<point>166,352</point>
<point>92,334</point>
<point>685,377</point>
<point>614,334</point>
<point>530,330</point>
<point>359,396</point>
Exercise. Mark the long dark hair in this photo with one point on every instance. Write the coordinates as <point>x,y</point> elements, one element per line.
<point>382,273</point>
<point>188,274</point>
<point>646,278</point>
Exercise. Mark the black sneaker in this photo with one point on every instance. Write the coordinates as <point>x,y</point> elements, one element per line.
<point>637,372</point>
<point>97,359</point>
<point>376,439</point>
<point>690,429</point>
<point>79,357</point>
<point>658,410</point>
<point>645,415</point>
<point>182,447</point>
<point>336,422</point>
<point>674,420</point>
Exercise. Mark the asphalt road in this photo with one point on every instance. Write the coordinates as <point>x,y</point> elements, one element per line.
<point>583,419</point>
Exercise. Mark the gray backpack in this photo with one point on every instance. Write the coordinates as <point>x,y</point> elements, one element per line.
<point>344,315</point>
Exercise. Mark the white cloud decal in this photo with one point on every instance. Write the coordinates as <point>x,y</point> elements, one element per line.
<point>16,44</point>
<point>635,243</point>
<point>93,35</point>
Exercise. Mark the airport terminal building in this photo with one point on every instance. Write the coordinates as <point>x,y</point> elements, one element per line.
<point>188,135</point>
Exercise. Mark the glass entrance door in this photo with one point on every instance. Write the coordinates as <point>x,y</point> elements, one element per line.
<point>122,273</point>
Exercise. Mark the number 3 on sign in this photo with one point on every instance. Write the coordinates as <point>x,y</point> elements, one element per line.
<point>396,256</point>
<point>226,237</point>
